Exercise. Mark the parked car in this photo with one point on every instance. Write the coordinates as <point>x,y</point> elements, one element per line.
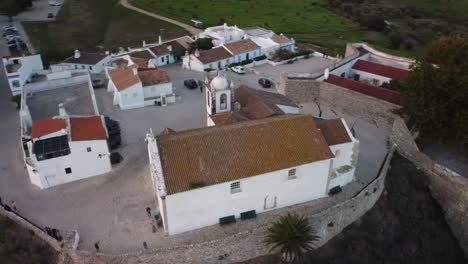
<point>54,3</point>
<point>265,83</point>
<point>191,84</point>
<point>10,29</point>
<point>15,46</point>
<point>10,33</point>
<point>12,37</point>
<point>115,157</point>
<point>50,15</point>
<point>4,28</point>
<point>238,69</point>
<point>14,41</point>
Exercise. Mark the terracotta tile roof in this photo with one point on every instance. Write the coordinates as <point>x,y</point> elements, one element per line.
<point>123,78</point>
<point>87,128</point>
<point>220,154</point>
<point>228,118</point>
<point>140,62</point>
<point>86,58</point>
<point>381,70</point>
<point>143,54</point>
<point>120,63</point>
<point>256,104</point>
<point>367,89</point>
<point>333,131</point>
<point>241,46</point>
<point>280,39</point>
<point>47,126</point>
<point>160,50</point>
<point>213,55</point>
<point>153,77</point>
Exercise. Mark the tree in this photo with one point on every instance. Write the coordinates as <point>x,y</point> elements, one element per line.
<point>292,237</point>
<point>436,92</point>
<point>9,8</point>
<point>395,40</point>
<point>202,44</point>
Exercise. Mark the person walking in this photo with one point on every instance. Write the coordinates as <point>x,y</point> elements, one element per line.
<point>13,205</point>
<point>148,211</point>
<point>201,87</point>
<point>96,246</point>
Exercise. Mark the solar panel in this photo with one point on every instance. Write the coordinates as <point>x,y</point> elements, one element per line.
<point>51,147</point>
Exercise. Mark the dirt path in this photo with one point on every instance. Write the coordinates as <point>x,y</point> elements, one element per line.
<point>189,28</point>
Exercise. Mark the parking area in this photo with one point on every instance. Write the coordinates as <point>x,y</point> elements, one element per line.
<point>14,48</point>
<point>38,12</point>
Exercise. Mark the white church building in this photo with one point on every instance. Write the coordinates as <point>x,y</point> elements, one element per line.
<point>254,163</point>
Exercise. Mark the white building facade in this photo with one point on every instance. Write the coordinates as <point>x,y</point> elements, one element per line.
<point>20,70</point>
<point>92,62</point>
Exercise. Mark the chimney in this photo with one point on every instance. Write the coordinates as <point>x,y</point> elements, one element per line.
<point>107,53</point>
<point>144,43</point>
<point>225,25</point>
<point>159,40</point>
<point>169,47</point>
<point>197,53</point>
<point>62,111</point>
<point>135,70</point>
<point>326,74</point>
<point>77,54</point>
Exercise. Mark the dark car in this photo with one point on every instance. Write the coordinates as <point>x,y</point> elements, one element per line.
<point>115,157</point>
<point>10,33</point>
<point>191,84</point>
<point>265,83</point>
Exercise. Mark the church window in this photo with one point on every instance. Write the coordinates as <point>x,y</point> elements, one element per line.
<point>88,149</point>
<point>223,101</point>
<point>292,174</point>
<point>235,187</point>
<point>68,170</point>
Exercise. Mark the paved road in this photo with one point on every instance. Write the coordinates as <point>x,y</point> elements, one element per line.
<point>192,30</point>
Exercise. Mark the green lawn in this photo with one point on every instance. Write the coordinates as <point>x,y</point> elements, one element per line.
<point>306,21</point>
<point>95,25</point>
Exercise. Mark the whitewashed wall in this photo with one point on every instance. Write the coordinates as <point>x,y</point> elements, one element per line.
<point>157,90</point>
<point>204,206</point>
<point>82,163</point>
<point>243,56</point>
<point>131,97</point>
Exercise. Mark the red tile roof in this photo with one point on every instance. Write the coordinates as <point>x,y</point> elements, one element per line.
<point>123,78</point>
<point>241,46</point>
<point>47,126</point>
<point>280,39</point>
<point>154,77</point>
<point>333,131</point>
<point>218,154</point>
<point>367,89</point>
<point>213,55</point>
<point>228,118</point>
<point>380,69</point>
<point>87,128</point>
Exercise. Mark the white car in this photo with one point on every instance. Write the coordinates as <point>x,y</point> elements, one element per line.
<point>5,28</point>
<point>54,3</point>
<point>238,69</point>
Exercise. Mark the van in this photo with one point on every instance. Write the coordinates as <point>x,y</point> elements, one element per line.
<point>196,23</point>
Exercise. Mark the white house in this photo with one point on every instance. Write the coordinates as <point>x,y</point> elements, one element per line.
<point>65,148</point>
<point>20,70</point>
<point>267,46</point>
<point>222,173</point>
<point>242,50</point>
<point>285,42</point>
<point>226,105</point>
<point>222,34</point>
<point>376,73</point>
<point>93,62</point>
<point>258,32</point>
<point>212,59</point>
<point>135,88</point>
<point>344,146</point>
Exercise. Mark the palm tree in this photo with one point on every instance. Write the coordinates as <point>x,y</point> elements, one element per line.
<point>292,237</point>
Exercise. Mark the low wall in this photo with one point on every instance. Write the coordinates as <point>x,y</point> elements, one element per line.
<point>54,84</point>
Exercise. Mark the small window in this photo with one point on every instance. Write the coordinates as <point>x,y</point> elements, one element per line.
<point>223,101</point>
<point>375,82</point>
<point>16,83</point>
<point>68,170</point>
<point>235,187</point>
<point>357,77</point>
<point>90,68</point>
<point>88,149</point>
<point>82,67</point>
<point>76,67</point>
<point>343,74</point>
<point>292,174</point>
<point>162,59</point>
<point>337,153</point>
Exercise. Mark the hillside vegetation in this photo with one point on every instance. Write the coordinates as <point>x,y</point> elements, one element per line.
<point>399,26</point>
<point>95,26</point>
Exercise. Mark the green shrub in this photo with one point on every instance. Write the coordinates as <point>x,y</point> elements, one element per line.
<point>259,58</point>
<point>245,62</point>
<point>16,99</point>
<point>196,185</point>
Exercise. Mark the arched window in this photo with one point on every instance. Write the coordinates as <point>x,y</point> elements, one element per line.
<point>223,101</point>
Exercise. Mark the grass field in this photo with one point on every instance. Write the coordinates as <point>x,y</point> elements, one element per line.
<point>95,25</point>
<point>306,21</point>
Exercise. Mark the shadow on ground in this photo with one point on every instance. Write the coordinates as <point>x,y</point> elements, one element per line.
<point>405,226</point>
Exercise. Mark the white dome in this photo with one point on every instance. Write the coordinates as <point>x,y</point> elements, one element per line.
<point>219,82</point>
